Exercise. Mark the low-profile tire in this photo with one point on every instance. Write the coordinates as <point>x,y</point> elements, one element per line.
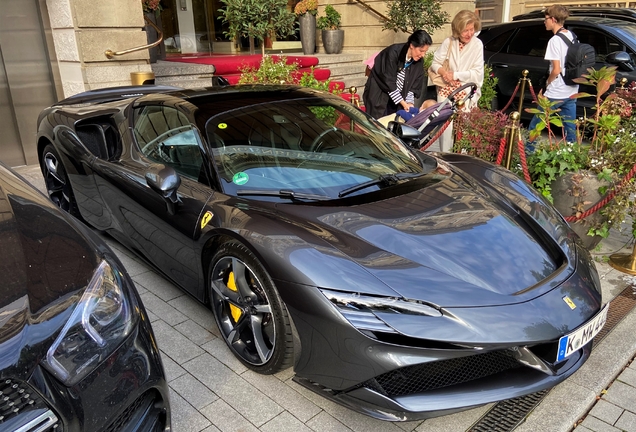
<point>58,187</point>
<point>251,316</point>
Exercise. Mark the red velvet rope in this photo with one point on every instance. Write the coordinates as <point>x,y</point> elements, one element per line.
<point>534,96</point>
<point>524,163</point>
<point>438,134</point>
<point>502,150</point>
<point>599,205</point>
<point>514,93</point>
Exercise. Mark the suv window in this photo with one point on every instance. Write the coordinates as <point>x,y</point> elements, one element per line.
<point>603,44</point>
<point>165,135</point>
<point>530,41</point>
<point>496,44</point>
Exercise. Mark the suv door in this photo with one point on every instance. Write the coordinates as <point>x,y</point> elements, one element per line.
<point>524,49</point>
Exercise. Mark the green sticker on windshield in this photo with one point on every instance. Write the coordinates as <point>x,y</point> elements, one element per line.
<point>240,178</point>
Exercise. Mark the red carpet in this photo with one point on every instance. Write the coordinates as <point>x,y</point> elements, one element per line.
<point>230,64</point>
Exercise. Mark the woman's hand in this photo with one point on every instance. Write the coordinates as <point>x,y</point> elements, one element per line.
<point>447,75</point>
<point>406,106</point>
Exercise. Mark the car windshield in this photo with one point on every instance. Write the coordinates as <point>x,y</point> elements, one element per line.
<point>307,149</point>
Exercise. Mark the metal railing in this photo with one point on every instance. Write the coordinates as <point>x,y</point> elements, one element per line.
<point>366,6</point>
<point>111,54</point>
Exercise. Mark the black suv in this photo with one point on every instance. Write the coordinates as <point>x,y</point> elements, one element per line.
<point>510,48</point>
<point>626,14</point>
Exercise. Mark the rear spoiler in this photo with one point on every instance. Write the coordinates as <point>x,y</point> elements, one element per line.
<point>115,93</point>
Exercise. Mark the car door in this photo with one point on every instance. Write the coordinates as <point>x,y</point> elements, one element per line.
<point>162,136</point>
<point>515,51</point>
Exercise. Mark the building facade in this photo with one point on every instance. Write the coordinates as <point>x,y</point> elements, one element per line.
<point>52,49</point>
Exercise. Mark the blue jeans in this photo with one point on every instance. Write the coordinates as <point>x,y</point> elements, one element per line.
<point>568,112</point>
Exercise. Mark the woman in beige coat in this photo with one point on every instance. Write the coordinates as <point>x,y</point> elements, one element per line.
<point>465,54</point>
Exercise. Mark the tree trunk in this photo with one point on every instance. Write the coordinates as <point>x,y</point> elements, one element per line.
<point>252,46</point>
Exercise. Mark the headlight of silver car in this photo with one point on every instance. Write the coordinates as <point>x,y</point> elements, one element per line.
<point>99,323</point>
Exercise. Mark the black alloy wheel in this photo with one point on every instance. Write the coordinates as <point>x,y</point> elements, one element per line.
<point>56,181</point>
<point>249,312</point>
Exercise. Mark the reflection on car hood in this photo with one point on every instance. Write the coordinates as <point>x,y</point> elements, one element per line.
<point>445,244</point>
<point>43,262</point>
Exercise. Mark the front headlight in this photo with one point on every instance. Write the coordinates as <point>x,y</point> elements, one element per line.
<point>362,310</point>
<point>100,322</point>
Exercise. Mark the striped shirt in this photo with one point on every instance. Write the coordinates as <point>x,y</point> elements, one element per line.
<point>396,95</point>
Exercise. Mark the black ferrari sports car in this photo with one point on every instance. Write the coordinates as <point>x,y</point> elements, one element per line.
<point>401,284</point>
<point>77,353</point>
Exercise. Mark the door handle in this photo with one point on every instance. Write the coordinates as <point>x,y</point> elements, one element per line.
<point>499,65</point>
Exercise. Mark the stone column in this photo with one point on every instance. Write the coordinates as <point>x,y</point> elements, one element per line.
<point>83,30</point>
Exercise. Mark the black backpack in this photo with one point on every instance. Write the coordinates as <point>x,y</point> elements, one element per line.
<point>579,58</point>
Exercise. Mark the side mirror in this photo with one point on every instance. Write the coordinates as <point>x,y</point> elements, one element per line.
<point>165,181</point>
<point>620,59</point>
<point>408,134</point>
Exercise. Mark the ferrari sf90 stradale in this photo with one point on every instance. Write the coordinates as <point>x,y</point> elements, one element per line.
<point>398,283</point>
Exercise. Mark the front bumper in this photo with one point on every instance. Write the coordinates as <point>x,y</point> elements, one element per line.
<point>375,402</point>
<point>402,377</point>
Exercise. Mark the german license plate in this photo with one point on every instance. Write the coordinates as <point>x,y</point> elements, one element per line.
<point>581,336</point>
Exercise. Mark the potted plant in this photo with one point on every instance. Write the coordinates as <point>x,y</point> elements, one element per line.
<point>257,19</point>
<point>478,132</point>
<point>332,35</point>
<point>410,15</point>
<point>575,176</point>
<point>306,11</point>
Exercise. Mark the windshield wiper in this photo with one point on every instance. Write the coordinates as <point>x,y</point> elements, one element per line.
<point>283,193</point>
<point>384,179</point>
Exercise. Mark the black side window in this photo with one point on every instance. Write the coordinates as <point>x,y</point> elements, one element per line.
<point>165,135</point>
<point>530,41</point>
<point>497,43</point>
<point>602,43</point>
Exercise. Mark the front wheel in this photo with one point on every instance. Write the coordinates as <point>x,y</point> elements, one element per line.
<point>249,312</point>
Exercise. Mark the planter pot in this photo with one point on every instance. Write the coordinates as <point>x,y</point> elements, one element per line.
<point>333,40</point>
<point>574,192</point>
<point>307,24</point>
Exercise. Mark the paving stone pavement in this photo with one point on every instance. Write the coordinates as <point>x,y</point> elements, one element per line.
<point>212,391</point>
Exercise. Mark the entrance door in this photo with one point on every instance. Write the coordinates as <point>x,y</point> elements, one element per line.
<point>26,81</point>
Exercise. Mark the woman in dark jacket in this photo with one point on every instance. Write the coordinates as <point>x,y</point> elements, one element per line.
<point>397,76</point>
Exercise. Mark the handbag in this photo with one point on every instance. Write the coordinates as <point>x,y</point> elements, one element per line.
<point>434,77</point>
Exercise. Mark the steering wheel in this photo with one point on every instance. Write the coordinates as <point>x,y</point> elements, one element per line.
<point>317,143</point>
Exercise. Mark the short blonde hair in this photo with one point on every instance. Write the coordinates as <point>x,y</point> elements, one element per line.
<point>461,21</point>
<point>559,12</point>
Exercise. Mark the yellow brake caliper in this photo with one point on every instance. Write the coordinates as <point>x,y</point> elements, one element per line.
<point>235,311</point>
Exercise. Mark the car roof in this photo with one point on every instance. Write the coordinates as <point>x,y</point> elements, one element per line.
<point>230,97</point>
<point>596,21</point>
<point>628,14</point>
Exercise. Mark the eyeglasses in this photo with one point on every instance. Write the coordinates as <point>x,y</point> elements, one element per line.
<point>547,18</point>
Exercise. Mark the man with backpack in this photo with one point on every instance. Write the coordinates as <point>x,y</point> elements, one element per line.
<point>559,86</point>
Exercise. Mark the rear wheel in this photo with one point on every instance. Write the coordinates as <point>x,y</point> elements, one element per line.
<point>248,310</point>
<point>56,181</point>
